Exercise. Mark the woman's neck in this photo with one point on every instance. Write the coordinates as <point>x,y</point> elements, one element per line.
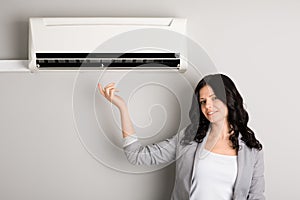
<point>220,130</point>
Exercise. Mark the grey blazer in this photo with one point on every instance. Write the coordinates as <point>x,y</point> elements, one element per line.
<point>249,183</point>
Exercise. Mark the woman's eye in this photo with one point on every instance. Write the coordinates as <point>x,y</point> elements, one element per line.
<point>214,98</point>
<point>202,102</point>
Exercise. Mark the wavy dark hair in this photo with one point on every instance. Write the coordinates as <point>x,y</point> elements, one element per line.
<point>238,118</point>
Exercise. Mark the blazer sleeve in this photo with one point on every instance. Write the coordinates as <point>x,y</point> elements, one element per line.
<point>153,154</point>
<point>257,187</point>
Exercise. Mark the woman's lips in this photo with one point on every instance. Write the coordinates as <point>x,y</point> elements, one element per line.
<point>211,113</point>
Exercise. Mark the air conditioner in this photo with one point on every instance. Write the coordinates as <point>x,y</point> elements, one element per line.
<point>77,43</point>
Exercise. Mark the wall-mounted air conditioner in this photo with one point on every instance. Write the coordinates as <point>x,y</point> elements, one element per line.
<point>81,43</point>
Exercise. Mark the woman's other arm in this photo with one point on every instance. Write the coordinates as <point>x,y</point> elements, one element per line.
<point>257,187</point>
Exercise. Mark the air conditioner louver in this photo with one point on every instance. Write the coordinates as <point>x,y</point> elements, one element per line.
<point>115,60</point>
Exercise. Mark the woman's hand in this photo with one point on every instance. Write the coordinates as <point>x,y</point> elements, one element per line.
<point>108,92</point>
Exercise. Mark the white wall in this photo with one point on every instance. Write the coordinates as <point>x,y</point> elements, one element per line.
<point>254,42</point>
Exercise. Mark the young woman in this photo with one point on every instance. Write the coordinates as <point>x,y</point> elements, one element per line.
<point>217,155</point>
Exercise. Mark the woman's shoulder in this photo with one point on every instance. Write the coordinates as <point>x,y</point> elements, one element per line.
<point>181,136</point>
<point>255,154</point>
<point>249,150</point>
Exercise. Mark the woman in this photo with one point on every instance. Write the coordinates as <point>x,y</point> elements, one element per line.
<point>217,155</point>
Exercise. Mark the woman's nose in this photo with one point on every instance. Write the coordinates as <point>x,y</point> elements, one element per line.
<point>209,104</point>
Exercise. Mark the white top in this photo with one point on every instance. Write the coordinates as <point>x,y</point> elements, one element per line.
<point>214,176</point>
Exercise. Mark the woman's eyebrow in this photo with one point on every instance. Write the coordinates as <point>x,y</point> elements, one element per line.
<point>209,96</point>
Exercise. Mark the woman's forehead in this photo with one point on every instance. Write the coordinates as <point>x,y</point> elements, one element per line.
<point>206,91</point>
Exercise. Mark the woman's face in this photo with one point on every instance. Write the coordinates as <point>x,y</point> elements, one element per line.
<point>213,109</point>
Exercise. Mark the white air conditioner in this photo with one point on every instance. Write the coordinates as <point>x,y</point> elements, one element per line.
<point>73,43</point>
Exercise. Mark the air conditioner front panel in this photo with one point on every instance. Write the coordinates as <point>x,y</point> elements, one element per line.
<point>63,36</point>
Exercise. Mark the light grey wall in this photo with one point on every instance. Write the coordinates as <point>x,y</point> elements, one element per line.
<point>254,42</point>
<point>51,146</point>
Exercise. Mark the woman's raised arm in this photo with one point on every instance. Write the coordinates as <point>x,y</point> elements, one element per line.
<point>154,154</point>
<point>109,93</point>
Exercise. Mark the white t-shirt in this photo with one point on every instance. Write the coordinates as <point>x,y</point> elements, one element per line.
<point>213,177</point>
